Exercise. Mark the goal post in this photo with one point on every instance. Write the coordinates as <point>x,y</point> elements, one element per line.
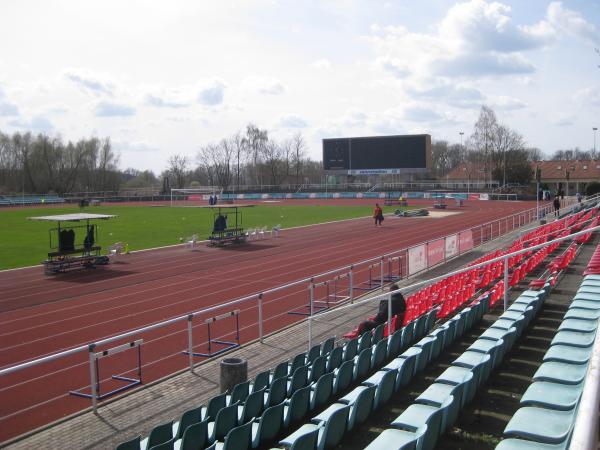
<point>194,196</point>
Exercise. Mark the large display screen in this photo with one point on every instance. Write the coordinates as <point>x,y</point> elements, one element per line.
<point>377,154</point>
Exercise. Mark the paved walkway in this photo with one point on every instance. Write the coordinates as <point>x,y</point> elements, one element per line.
<point>139,411</point>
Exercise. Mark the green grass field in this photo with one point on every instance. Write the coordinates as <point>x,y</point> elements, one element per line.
<point>24,242</point>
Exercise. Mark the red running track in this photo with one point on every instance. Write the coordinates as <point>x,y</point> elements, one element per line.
<point>42,315</point>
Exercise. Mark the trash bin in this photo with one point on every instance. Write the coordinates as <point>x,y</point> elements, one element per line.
<point>233,371</point>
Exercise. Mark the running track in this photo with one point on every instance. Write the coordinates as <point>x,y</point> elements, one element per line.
<point>42,315</point>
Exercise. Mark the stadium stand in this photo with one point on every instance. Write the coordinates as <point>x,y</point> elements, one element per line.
<point>30,200</point>
<point>343,385</point>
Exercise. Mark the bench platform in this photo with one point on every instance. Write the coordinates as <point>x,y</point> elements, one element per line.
<point>227,236</point>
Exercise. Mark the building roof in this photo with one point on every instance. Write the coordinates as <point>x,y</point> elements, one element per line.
<point>579,170</point>
<point>73,217</point>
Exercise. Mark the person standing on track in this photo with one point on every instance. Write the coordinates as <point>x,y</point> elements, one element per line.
<point>378,214</point>
<point>556,204</point>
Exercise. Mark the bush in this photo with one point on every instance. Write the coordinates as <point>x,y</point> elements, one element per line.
<point>592,188</point>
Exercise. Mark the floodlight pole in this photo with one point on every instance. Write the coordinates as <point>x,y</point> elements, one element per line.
<point>468,173</point>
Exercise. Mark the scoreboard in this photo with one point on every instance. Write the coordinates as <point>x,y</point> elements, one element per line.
<point>377,155</point>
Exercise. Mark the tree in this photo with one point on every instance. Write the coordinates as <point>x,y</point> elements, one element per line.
<point>177,170</point>
<point>500,150</point>
<point>274,163</point>
<point>216,160</point>
<point>254,143</point>
<point>481,139</point>
<point>445,157</point>
<point>298,154</point>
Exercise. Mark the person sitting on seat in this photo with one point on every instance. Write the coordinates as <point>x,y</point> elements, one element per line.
<point>89,240</point>
<point>398,309</point>
<point>220,223</point>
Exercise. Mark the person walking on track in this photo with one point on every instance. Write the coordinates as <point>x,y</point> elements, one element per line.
<point>378,214</point>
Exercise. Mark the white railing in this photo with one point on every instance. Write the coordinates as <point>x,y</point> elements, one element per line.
<point>484,233</point>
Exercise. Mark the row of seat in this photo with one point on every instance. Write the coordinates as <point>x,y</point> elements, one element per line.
<point>373,351</point>
<point>270,387</point>
<point>437,408</point>
<point>593,267</point>
<point>549,405</point>
<point>327,429</point>
<point>285,383</point>
<point>37,200</point>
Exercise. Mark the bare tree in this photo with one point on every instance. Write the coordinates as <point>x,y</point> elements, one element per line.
<point>298,154</point>
<point>254,143</point>
<point>216,159</point>
<point>274,162</point>
<point>177,169</point>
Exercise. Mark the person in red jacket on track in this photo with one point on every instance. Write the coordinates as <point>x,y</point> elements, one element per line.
<point>378,214</point>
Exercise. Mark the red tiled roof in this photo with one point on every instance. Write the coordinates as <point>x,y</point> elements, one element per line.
<point>584,170</point>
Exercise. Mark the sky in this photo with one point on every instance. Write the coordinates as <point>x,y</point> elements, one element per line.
<point>162,78</point>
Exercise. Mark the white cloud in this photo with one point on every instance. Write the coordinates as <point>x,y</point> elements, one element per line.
<point>211,92</point>
<point>565,121</point>
<point>8,109</point>
<point>323,64</point>
<point>457,95</point>
<point>508,103</point>
<point>112,109</point>
<point>571,22</point>
<point>292,121</point>
<point>264,85</point>
<point>37,123</point>
<point>90,81</point>
<point>474,39</point>
<point>163,102</point>
<point>589,96</point>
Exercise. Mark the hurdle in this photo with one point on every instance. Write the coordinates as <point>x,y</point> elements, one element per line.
<point>373,282</point>
<point>228,345</point>
<point>96,393</point>
<point>331,299</point>
<point>392,275</point>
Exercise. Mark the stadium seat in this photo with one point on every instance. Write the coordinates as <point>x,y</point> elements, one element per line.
<point>335,358</point>
<point>298,380</point>
<point>362,364</point>
<point>558,372</point>
<point>541,425</point>
<point>344,376</point>
<point>194,436</point>
<point>132,444</point>
<point>239,393</point>
<point>226,419</point>
<point>330,431</point>
<point>549,395</point>
<point>238,438</point>
<point>276,393</point>
<point>267,428</point>
<point>296,408</point>
<point>253,406</point>
<point>392,439</point>
<point>385,382</point>
<point>360,400</point>
<point>321,391</point>
<point>158,435</point>
<point>189,417</point>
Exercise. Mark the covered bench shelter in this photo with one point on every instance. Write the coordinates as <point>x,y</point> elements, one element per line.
<point>227,226</point>
<point>73,246</point>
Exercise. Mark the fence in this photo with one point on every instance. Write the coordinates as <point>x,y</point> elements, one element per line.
<point>264,312</point>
